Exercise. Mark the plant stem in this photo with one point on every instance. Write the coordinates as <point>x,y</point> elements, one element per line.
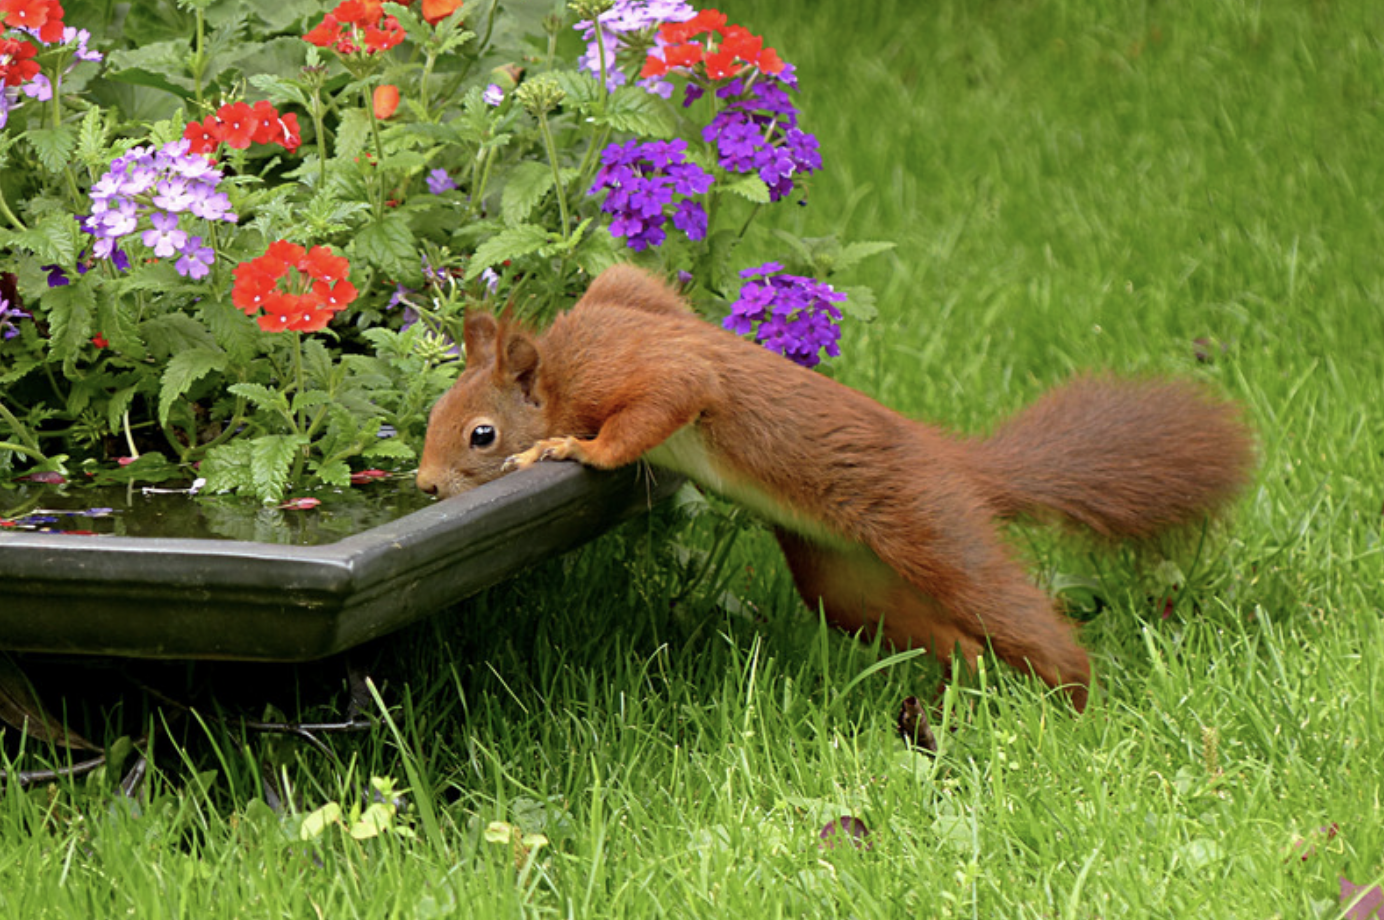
<point>557,173</point>
<point>31,443</point>
<point>10,215</point>
<point>319,125</point>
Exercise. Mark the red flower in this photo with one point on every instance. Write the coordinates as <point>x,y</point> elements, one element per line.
<point>324,265</point>
<point>16,62</point>
<point>276,128</point>
<point>238,124</point>
<point>100,340</point>
<point>728,49</point>
<point>298,290</point>
<point>204,136</point>
<point>385,100</point>
<point>434,11</point>
<point>326,34</point>
<point>388,34</point>
<point>31,14</point>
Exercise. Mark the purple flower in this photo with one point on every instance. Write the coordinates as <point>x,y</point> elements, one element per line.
<point>8,316</point>
<point>641,181</point>
<point>195,260</point>
<point>789,314</point>
<point>57,275</point>
<point>493,95</point>
<point>439,182</point>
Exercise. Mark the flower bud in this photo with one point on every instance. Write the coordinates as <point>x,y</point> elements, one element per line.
<point>540,95</point>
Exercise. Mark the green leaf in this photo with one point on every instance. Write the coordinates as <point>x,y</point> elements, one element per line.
<point>261,396</point>
<point>507,244</point>
<point>118,405</point>
<point>853,253</point>
<point>859,304</point>
<point>280,90</point>
<point>174,332</point>
<point>389,244</point>
<point>271,460</point>
<point>393,448</point>
<point>637,111</point>
<point>183,370</point>
<point>526,187</point>
<point>352,133</point>
<point>749,187</point>
<point>70,310</point>
<point>54,146</point>
<point>334,473</point>
<point>91,138</point>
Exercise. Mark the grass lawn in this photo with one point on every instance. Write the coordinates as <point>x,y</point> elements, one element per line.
<point>1192,189</point>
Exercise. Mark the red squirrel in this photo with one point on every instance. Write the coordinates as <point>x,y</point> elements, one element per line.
<point>886,522</point>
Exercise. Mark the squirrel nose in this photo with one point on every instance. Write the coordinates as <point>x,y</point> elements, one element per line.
<point>425,483</point>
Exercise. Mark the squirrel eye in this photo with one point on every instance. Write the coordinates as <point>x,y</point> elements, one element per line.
<point>482,436</point>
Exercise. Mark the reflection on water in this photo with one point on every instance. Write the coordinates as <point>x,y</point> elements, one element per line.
<point>165,512</point>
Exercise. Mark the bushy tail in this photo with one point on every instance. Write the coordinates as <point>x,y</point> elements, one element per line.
<point>1124,458</point>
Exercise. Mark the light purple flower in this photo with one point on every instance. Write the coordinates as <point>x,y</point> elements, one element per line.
<point>439,182</point>
<point>40,88</point>
<point>196,260</point>
<point>493,94</point>
<point>165,238</point>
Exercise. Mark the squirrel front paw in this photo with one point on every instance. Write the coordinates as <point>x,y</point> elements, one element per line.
<point>547,449</point>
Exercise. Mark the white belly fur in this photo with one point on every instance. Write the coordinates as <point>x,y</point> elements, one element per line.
<point>685,452</point>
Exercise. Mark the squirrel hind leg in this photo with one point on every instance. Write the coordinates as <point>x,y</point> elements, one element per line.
<point>857,589</point>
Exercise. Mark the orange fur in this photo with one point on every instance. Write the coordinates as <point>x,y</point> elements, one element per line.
<point>886,522</point>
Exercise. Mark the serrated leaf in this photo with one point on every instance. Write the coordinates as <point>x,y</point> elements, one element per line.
<point>528,183</point>
<point>853,253</point>
<point>859,304</point>
<point>183,370</point>
<point>581,88</point>
<point>751,188</point>
<point>227,468</point>
<point>91,137</point>
<point>309,400</point>
<point>513,243</point>
<point>271,460</point>
<point>54,146</point>
<point>637,111</point>
<point>174,332</point>
<point>394,448</point>
<point>231,329</point>
<point>334,473</point>
<point>118,404</point>
<point>389,244</point>
<point>70,310</point>
<point>261,396</point>
<point>352,133</point>
<point>280,90</point>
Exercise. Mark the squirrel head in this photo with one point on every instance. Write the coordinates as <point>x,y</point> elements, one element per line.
<point>491,412</point>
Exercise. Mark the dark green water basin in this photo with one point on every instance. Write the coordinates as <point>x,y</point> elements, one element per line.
<point>284,594</point>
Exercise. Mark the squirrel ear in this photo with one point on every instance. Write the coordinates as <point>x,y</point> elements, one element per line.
<point>520,361</point>
<point>479,333</point>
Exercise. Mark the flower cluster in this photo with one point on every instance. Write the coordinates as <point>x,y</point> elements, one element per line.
<point>298,289</point>
<point>758,131</point>
<point>161,185</point>
<point>727,50</point>
<point>240,124</point>
<point>19,71</point>
<point>355,25</point>
<point>642,180</point>
<point>790,314</point>
<point>623,26</point>
<point>38,86</point>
